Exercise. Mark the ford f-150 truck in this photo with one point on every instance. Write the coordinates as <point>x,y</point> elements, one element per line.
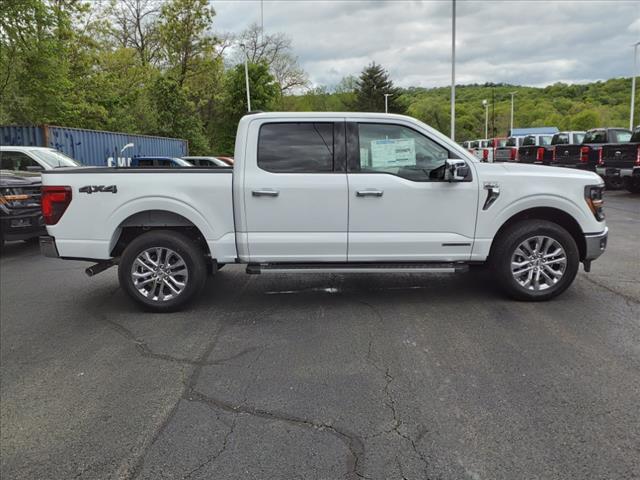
<point>535,149</point>
<point>620,163</point>
<point>328,192</point>
<point>585,155</point>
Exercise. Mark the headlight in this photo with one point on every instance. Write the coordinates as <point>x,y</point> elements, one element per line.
<point>594,195</point>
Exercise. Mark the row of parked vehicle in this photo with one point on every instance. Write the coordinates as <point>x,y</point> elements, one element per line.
<point>20,168</point>
<point>613,153</point>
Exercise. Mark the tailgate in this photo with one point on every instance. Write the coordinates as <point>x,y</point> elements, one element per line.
<point>620,155</point>
<point>567,155</point>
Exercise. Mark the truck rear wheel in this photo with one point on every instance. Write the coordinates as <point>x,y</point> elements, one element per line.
<point>535,260</point>
<point>162,270</point>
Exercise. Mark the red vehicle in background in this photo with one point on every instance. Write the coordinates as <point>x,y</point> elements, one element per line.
<point>488,153</point>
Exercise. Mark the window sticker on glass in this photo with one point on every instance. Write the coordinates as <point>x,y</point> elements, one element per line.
<point>393,152</point>
<point>364,157</point>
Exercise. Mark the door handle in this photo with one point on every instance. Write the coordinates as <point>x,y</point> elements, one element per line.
<point>265,192</point>
<point>369,193</point>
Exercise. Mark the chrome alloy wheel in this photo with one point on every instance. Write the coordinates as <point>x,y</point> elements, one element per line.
<point>538,263</point>
<point>159,274</point>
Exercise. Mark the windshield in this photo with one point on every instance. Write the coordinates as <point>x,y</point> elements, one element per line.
<point>181,162</point>
<point>54,158</point>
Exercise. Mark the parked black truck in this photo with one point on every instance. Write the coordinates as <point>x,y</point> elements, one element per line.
<point>585,156</point>
<point>20,214</point>
<point>620,163</point>
<point>535,149</point>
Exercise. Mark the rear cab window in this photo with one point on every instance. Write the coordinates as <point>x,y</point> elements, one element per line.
<point>620,136</point>
<point>560,139</point>
<point>595,136</point>
<point>296,147</point>
<point>545,140</point>
<point>529,140</point>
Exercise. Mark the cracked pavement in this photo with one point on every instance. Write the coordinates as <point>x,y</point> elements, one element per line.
<point>322,376</point>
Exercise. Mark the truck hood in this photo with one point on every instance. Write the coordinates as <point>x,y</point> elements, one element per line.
<point>531,170</point>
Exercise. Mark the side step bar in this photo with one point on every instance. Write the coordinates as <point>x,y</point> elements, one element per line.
<point>356,267</point>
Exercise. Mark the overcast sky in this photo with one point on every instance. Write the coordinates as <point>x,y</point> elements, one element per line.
<point>522,42</point>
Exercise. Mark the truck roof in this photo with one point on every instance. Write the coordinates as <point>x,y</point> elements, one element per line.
<point>521,132</point>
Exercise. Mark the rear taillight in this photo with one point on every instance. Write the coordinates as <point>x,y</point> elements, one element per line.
<point>553,154</point>
<point>55,201</point>
<point>513,154</point>
<point>638,157</point>
<point>485,154</point>
<point>584,154</point>
<point>600,161</point>
<point>540,154</point>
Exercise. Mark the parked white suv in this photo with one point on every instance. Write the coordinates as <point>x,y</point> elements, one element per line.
<point>33,159</point>
<point>328,192</point>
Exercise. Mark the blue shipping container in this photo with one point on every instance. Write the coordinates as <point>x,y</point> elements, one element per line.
<point>93,147</point>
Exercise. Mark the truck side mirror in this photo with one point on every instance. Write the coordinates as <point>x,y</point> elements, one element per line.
<point>457,171</point>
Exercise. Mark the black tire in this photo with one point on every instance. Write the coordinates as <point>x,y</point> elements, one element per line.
<point>184,247</point>
<point>512,238</point>
<point>614,183</point>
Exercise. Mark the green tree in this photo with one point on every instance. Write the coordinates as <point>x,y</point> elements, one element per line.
<point>373,83</point>
<point>176,114</point>
<point>585,120</point>
<point>183,30</point>
<point>265,94</point>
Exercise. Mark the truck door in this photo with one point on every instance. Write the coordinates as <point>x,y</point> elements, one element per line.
<point>295,191</point>
<point>400,206</point>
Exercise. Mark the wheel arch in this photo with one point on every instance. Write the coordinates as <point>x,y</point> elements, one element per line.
<point>551,214</point>
<point>143,221</point>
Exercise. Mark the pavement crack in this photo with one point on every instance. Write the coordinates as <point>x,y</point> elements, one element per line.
<point>390,401</point>
<point>217,455</point>
<point>628,298</point>
<point>353,443</point>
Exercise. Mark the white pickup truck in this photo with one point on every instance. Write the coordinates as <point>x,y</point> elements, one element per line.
<point>328,192</point>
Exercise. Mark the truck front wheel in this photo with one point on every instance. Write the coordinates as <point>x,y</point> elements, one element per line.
<point>535,260</point>
<point>162,270</point>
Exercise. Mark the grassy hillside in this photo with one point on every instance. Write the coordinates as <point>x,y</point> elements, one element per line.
<point>577,107</point>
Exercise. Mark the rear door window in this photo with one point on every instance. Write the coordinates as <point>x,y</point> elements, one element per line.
<point>305,147</point>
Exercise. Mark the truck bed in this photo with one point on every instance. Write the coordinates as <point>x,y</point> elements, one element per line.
<point>201,196</point>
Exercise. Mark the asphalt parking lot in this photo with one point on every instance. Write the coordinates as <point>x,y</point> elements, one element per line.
<point>323,376</point>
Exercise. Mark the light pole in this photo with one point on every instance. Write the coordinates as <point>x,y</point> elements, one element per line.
<point>386,102</point>
<point>453,70</point>
<point>485,104</point>
<point>511,123</point>
<point>633,83</point>
<point>246,75</point>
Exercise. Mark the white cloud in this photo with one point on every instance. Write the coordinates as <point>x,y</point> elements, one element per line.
<point>519,41</point>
